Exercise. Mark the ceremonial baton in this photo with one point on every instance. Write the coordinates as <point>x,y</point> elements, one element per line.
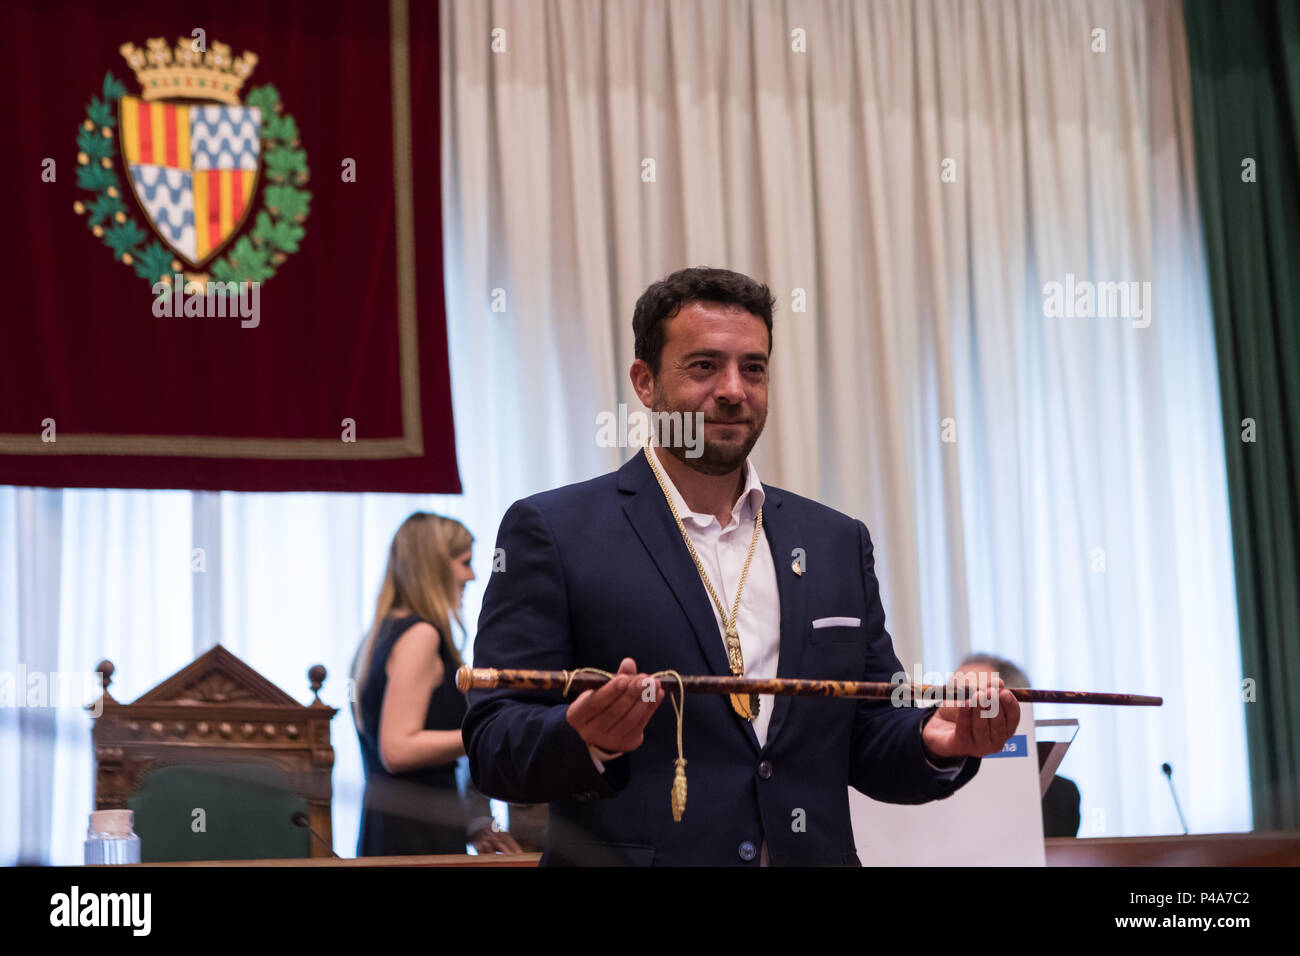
<point>488,678</point>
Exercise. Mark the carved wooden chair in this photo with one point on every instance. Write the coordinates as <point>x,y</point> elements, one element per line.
<point>218,763</point>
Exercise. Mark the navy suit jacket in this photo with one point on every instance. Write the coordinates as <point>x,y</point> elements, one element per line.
<point>597,571</point>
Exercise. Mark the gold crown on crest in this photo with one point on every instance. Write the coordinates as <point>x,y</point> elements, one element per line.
<point>165,72</point>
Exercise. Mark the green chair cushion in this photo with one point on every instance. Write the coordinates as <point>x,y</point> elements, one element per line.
<point>218,811</point>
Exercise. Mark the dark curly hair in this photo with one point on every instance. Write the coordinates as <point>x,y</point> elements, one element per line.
<point>665,298</point>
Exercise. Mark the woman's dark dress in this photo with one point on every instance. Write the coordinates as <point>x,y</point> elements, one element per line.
<point>420,811</point>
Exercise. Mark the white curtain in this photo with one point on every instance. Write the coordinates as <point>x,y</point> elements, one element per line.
<point>1049,489</point>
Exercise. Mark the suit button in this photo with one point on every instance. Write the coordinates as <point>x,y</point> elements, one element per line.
<point>747,851</point>
<point>765,769</point>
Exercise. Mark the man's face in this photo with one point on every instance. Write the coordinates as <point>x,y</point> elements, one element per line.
<point>714,361</point>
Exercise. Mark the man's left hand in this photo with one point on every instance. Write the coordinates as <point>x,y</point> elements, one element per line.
<point>976,727</point>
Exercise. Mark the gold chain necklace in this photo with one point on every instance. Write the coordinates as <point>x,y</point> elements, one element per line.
<point>746,705</point>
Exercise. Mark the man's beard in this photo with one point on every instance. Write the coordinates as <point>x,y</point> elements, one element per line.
<point>716,458</point>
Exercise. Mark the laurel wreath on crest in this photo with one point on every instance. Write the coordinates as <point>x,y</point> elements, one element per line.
<point>276,233</point>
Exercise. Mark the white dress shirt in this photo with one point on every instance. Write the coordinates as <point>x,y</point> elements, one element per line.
<point>722,551</point>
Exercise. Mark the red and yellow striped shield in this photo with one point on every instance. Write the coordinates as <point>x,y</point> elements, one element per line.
<point>193,169</point>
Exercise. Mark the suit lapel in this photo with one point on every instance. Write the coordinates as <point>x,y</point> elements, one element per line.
<point>653,523</point>
<point>783,537</point>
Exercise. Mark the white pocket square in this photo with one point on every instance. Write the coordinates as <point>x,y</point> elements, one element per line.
<point>837,622</point>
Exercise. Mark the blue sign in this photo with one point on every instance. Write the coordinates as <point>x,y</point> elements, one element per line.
<point>1017,746</point>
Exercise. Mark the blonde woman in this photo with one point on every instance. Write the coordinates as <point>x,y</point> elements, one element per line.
<point>407,707</point>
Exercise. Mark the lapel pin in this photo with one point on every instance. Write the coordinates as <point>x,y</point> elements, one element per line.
<point>797,568</point>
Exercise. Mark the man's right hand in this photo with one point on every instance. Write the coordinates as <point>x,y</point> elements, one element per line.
<point>613,717</point>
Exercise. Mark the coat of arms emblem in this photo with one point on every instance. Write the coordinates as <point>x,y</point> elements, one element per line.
<point>193,157</point>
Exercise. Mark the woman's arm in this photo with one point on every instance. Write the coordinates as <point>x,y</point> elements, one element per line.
<point>414,670</point>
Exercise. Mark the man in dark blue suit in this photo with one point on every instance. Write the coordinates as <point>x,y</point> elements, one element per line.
<point>684,560</point>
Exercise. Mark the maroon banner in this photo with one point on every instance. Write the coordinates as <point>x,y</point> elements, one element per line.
<point>223,260</point>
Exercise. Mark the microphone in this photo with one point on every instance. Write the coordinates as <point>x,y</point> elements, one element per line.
<point>300,820</point>
<point>1168,771</point>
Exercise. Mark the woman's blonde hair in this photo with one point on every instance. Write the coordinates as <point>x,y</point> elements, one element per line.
<point>420,577</point>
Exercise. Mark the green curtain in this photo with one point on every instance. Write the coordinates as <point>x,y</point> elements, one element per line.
<point>1245,68</point>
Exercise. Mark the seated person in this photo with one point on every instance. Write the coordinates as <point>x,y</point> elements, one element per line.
<point>1061,802</point>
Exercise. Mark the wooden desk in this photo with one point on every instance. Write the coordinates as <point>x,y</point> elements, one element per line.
<point>1281,848</point>
<point>1215,849</point>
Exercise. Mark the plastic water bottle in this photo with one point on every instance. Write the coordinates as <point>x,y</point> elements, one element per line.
<point>110,839</point>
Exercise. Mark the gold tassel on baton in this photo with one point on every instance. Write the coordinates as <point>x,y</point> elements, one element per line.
<point>465,680</point>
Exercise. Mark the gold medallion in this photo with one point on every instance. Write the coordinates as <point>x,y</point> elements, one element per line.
<point>746,705</point>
